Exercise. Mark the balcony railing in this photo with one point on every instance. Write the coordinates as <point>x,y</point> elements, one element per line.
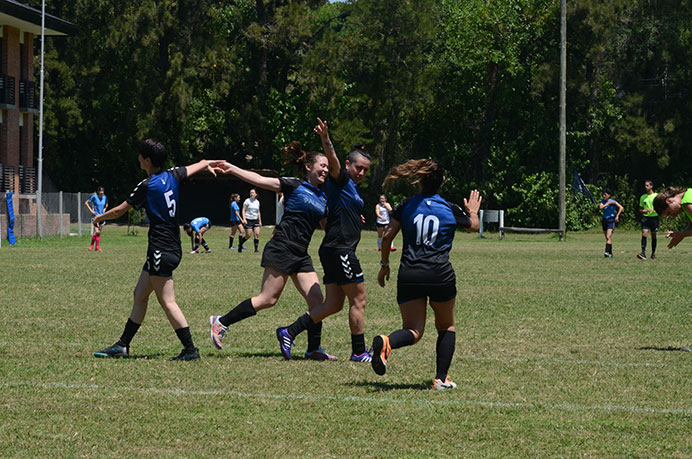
<point>10,176</point>
<point>27,95</point>
<point>6,90</point>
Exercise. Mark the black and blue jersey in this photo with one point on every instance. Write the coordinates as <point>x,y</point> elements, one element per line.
<point>345,209</point>
<point>304,207</point>
<point>428,223</point>
<point>158,193</point>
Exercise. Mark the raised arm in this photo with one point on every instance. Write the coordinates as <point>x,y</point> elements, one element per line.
<point>472,205</point>
<point>192,169</point>
<point>323,131</point>
<point>253,178</point>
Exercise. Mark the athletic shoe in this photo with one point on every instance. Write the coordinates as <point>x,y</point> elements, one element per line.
<point>233,248</point>
<point>653,256</point>
<point>380,353</point>
<point>686,349</point>
<point>194,251</point>
<point>641,256</point>
<point>256,251</point>
<point>285,342</point>
<point>207,251</point>
<point>91,247</point>
<point>187,354</point>
<point>218,331</point>
<point>114,352</point>
<point>392,249</point>
<point>318,354</point>
<point>438,384</point>
<point>364,357</point>
<point>607,255</point>
<point>98,249</point>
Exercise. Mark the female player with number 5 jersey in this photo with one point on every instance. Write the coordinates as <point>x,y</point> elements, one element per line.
<point>428,223</point>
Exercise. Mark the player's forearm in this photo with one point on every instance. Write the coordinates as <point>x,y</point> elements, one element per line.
<point>192,169</point>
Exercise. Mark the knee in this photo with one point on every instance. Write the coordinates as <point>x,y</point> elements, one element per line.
<point>313,299</point>
<point>417,335</point>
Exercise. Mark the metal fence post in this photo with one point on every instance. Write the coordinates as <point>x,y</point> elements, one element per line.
<point>79,213</point>
<point>60,210</point>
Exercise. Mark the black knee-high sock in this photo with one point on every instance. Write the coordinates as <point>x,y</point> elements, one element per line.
<point>204,244</point>
<point>230,241</point>
<point>129,333</point>
<point>185,337</point>
<point>609,248</point>
<point>241,241</point>
<point>653,245</point>
<point>401,338</point>
<point>314,335</point>
<point>358,344</point>
<point>445,351</point>
<point>643,244</point>
<point>240,312</point>
<point>256,244</point>
<point>301,324</point>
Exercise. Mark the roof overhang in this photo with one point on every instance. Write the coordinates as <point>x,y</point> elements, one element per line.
<point>28,19</point>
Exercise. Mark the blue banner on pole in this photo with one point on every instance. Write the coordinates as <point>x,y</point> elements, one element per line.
<point>10,220</point>
<point>579,186</point>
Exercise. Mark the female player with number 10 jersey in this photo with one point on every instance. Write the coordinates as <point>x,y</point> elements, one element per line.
<point>428,223</point>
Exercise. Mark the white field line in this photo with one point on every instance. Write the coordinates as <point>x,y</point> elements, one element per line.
<point>355,399</point>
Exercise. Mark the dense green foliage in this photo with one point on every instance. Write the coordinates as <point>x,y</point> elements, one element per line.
<point>473,84</point>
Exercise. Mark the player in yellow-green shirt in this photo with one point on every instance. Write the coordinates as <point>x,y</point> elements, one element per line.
<point>671,203</point>
<point>649,219</point>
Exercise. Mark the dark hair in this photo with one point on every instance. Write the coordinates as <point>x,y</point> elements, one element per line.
<point>428,174</point>
<point>608,191</point>
<point>234,195</point>
<point>187,227</point>
<point>154,150</point>
<point>99,188</point>
<point>295,156</point>
<point>660,201</point>
<point>648,181</point>
<point>358,150</point>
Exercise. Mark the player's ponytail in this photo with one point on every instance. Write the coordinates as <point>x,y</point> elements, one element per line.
<point>426,173</point>
<point>294,156</point>
<point>660,201</point>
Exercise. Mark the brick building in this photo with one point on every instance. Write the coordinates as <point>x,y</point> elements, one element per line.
<point>20,27</point>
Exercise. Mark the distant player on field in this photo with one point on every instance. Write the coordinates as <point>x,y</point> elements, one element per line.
<point>649,219</point>
<point>428,224</point>
<point>252,216</point>
<point>158,193</point>
<point>97,204</point>
<point>196,229</point>
<point>236,220</point>
<point>611,215</point>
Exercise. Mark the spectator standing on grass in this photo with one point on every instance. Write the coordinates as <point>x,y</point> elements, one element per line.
<point>196,229</point>
<point>428,224</point>
<point>382,211</point>
<point>158,193</point>
<point>649,219</point>
<point>286,254</point>
<point>343,276</point>
<point>611,215</point>
<point>236,220</point>
<point>253,220</point>
<point>97,204</point>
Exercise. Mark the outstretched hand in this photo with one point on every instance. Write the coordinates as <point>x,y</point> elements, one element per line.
<point>220,165</point>
<point>473,203</point>
<point>321,129</point>
<point>676,238</point>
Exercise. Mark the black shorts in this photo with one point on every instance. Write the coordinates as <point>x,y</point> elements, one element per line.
<point>650,223</point>
<point>286,259</point>
<point>252,224</point>
<point>235,223</point>
<point>608,224</point>
<point>381,225</point>
<point>160,263</point>
<point>341,266</point>
<point>438,293</point>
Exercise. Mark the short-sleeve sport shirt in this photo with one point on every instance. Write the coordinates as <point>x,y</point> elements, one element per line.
<point>345,210</point>
<point>609,211</point>
<point>252,207</point>
<point>647,202</point>
<point>235,211</point>
<point>428,223</point>
<point>687,199</point>
<point>98,204</point>
<point>304,207</point>
<point>158,194</point>
<point>198,223</point>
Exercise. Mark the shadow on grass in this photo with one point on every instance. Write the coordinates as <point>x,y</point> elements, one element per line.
<point>385,387</point>
<point>248,354</point>
<point>667,348</point>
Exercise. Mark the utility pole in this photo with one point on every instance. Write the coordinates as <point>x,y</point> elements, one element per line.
<point>563,111</point>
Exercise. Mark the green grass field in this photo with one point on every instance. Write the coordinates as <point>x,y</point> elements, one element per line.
<point>560,352</point>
